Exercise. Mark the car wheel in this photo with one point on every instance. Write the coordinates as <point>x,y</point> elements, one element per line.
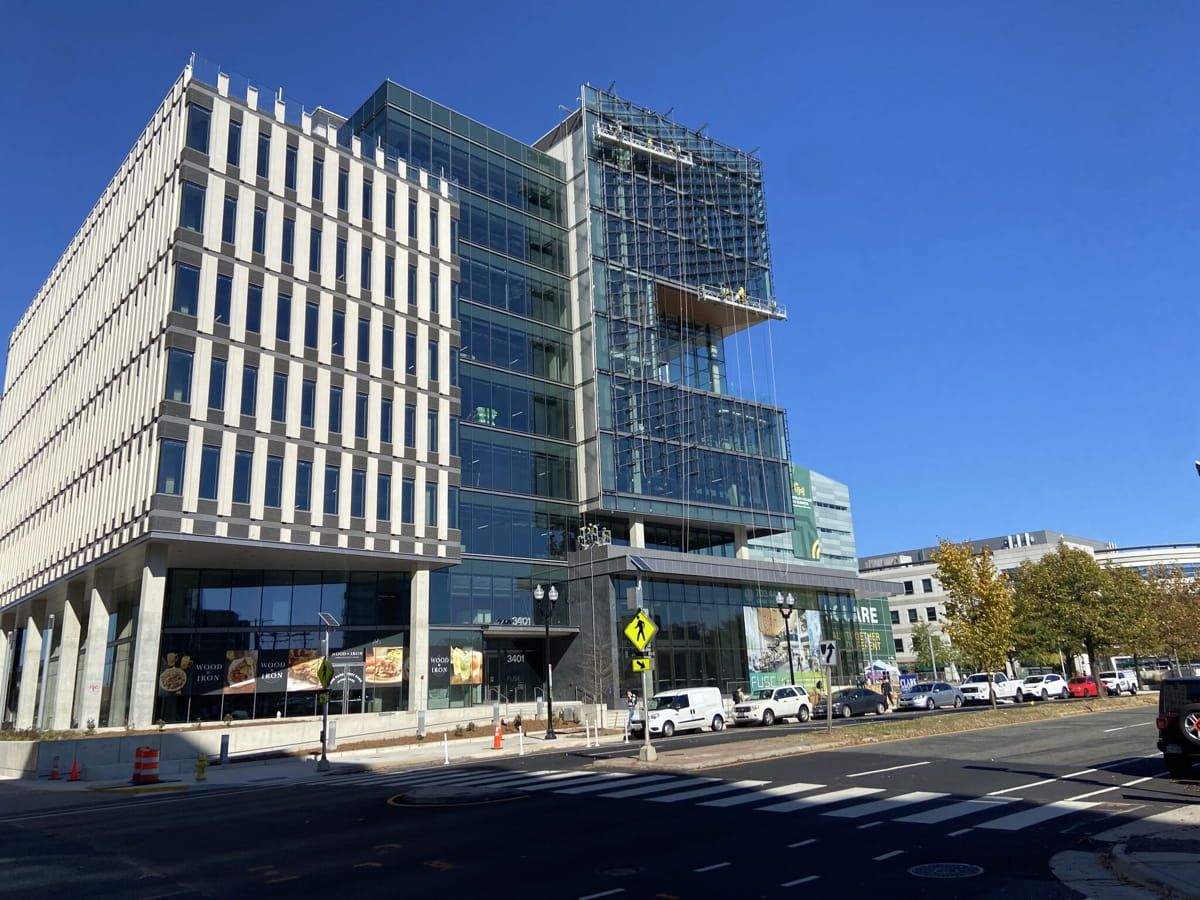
<point>1178,766</point>
<point>929,704</point>
<point>718,723</point>
<point>1189,724</point>
<point>769,718</point>
<point>847,712</point>
<point>880,709</point>
<point>1065,695</point>
<point>1045,694</point>
<point>958,702</point>
<point>1020,696</point>
<point>804,715</point>
<point>1133,691</point>
<point>668,729</point>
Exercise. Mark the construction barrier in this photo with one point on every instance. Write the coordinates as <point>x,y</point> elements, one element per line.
<point>145,765</point>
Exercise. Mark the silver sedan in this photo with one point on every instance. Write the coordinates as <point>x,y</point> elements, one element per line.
<point>931,695</point>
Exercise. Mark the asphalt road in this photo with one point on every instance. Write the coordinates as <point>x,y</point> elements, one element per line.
<point>999,802</point>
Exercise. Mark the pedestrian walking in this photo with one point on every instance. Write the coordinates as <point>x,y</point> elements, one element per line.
<point>886,687</point>
<point>631,705</point>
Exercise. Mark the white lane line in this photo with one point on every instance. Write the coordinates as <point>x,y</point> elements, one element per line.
<point>656,788</point>
<point>803,880</point>
<point>605,785</point>
<point>802,843</point>
<point>602,894</point>
<point>1116,787</point>
<point>713,866</point>
<point>886,805</point>
<point>882,856</point>
<point>783,790</point>
<point>584,779</point>
<point>819,800</point>
<point>960,831</point>
<point>1038,814</point>
<point>1123,727</point>
<point>954,810</point>
<point>707,791</point>
<point>890,769</point>
<point>870,824</point>
<point>1021,787</point>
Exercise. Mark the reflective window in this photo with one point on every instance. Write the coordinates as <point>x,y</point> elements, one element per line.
<point>412,219</point>
<point>289,168</point>
<point>318,178</point>
<point>358,493</point>
<point>339,260</point>
<point>179,375</point>
<point>216,383</point>
<point>303,484</point>
<point>222,308</point>
<point>433,228</point>
<point>254,308</point>
<point>343,189</point>
<point>389,277</point>
<point>312,320</point>
<point>288,252</point>
<point>338,343</point>
<point>412,285</point>
<point>433,361</point>
<point>432,430</point>
<point>314,250</point>
<point>410,353</point>
<point>431,510</point>
<point>335,410</point>
<point>260,230</point>
<point>390,210</point>
<point>279,386</point>
<point>187,289</point>
<point>410,426</point>
<point>273,494</point>
<point>249,390</point>
<point>360,414</point>
<point>233,149</point>
<point>243,463</point>
<point>407,494</point>
<point>364,340</point>
<point>367,196</point>
<point>389,346</point>
<point>197,127</point>
<point>366,268</point>
<point>191,207</point>
<point>210,471</point>
<point>264,152</point>
<point>283,318</point>
<point>433,294</point>
<point>333,476</point>
<point>308,403</point>
<point>229,220</point>
<point>170,466</point>
<point>383,498</point>
<point>385,421</point>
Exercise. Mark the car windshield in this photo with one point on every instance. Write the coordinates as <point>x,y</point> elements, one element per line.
<point>1034,679</point>
<point>976,679</point>
<point>1078,681</point>
<point>669,702</point>
<point>844,695</point>
<point>923,688</point>
<point>1108,674</point>
<point>763,694</point>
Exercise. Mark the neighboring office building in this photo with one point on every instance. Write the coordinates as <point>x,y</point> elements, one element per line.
<point>286,315</point>
<point>1185,557</point>
<point>921,598</point>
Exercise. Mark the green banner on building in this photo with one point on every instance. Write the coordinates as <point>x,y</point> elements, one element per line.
<point>806,540</point>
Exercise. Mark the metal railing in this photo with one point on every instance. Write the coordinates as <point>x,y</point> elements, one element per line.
<point>615,134</point>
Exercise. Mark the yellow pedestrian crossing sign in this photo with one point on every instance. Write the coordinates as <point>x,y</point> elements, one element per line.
<point>641,630</point>
<point>641,664</point>
<point>325,672</point>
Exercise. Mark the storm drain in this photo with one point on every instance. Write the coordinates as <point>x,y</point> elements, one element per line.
<point>946,870</point>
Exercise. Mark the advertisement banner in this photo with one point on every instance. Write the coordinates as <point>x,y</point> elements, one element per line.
<point>272,671</point>
<point>806,542</point>
<point>385,665</point>
<point>439,666</point>
<point>241,670</point>
<point>303,663</point>
<point>466,665</point>
<point>767,647</point>
<point>184,672</point>
<point>174,674</point>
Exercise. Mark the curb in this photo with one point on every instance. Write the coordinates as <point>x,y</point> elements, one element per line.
<point>1131,870</point>
<point>140,788</point>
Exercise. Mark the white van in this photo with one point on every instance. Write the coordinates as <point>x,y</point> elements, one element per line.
<point>684,709</point>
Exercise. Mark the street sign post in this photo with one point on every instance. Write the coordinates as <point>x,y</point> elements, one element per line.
<point>640,631</point>
<point>828,652</point>
<point>325,673</point>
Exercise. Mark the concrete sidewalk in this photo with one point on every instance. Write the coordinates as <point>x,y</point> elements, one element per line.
<point>1161,853</point>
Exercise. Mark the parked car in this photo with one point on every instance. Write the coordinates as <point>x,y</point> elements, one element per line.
<point>1179,724</point>
<point>853,702</point>
<point>931,695</point>
<point>1043,687</point>
<point>1120,682</point>
<point>1084,686</point>
<point>975,688</point>
<point>771,705</point>
<point>683,709</point>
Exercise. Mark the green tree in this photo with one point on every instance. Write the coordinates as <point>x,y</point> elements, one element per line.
<point>1067,600</point>
<point>1172,623</point>
<point>944,654</point>
<point>979,606</point>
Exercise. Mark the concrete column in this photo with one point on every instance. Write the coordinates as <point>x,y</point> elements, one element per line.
<point>8,644</point>
<point>99,595</point>
<point>149,633</point>
<point>63,701</point>
<point>740,542</point>
<point>31,665</point>
<point>418,642</point>
<point>637,534</point>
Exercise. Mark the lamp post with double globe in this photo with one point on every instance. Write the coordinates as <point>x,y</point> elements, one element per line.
<point>787,606</point>
<point>551,598</point>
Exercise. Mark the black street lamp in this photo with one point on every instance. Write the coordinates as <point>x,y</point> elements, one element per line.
<point>551,598</point>
<point>787,606</point>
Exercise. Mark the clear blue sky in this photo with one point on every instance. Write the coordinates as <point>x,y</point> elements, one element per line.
<point>985,218</point>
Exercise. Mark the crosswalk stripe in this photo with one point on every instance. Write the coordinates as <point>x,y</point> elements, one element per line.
<point>955,810</point>
<point>783,790</point>
<point>707,791</point>
<point>605,785</point>
<point>585,778</point>
<point>657,788</point>
<point>886,805</point>
<point>819,800</point>
<point>1025,818</point>
<point>495,780</point>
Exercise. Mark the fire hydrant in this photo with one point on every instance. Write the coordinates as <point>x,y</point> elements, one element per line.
<point>201,766</point>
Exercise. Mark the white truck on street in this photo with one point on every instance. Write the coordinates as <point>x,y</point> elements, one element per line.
<point>975,688</point>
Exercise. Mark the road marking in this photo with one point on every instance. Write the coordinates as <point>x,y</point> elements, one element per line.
<point>1123,727</point>
<point>579,778</point>
<point>890,769</point>
<point>603,894</point>
<point>819,800</point>
<point>713,866</point>
<point>960,831</point>
<point>281,879</point>
<point>368,865</point>
<point>707,791</point>
<point>882,856</point>
<point>870,824</point>
<point>655,788</point>
<point>1035,816</point>
<point>1116,787</point>
<point>604,785</point>
<point>804,880</point>
<point>783,790</point>
<point>954,810</point>
<point>886,805</point>
<point>1021,787</point>
<point>802,843</point>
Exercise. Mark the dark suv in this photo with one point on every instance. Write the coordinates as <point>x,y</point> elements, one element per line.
<point>1179,724</point>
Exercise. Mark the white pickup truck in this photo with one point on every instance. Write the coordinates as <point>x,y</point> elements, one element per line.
<point>975,688</point>
<point>770,705</point>
<point>1120,682</point>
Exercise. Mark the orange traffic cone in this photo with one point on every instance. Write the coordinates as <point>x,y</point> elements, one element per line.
<point>74,774</point>
<point>498,738</point>
<point>55,775</point>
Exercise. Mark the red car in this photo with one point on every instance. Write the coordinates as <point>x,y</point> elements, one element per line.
<point>1083,687</point>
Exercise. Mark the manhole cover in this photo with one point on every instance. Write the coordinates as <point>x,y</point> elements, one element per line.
<point>946,870</point>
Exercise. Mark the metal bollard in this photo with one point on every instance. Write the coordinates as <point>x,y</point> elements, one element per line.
<point>521,741</point>
<point>224,749</point>
<point>445,750</point>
